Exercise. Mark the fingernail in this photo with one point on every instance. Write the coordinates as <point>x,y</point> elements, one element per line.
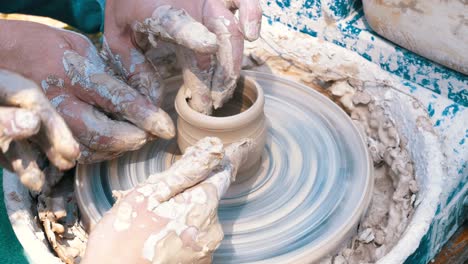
<point>163,126</point>
<point>210,43</point>
<point>252,30</point>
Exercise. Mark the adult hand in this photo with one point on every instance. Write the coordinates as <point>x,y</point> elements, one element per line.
<point>199,28</point>
<point>105,115</point>
<point>172,217</point>
<point>26,114</point>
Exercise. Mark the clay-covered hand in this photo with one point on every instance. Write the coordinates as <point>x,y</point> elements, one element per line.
<point>198,28</point>
<point>26,116</point>
<point>105,115</point>
<point>172,217</point>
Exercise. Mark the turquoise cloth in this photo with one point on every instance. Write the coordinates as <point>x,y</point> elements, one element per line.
<point>85,15</point>
<point>11,251</point>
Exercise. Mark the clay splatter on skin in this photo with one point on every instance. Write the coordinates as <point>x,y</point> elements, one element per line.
<point>52,80</point>
<point>56,101</point>
<point>145,190</point>
<point>139,198</point>
<point>124,216</point>
<point>114,60</point>
<point>136,58</point>
<point>176,26</point>
<point>147,81</point>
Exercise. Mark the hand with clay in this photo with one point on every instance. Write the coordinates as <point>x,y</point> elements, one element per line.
<point>28,120</point>
<point>105,115</point>
<point>197,28</point>
<point>172,217</point>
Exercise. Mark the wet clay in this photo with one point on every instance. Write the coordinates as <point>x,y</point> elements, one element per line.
<point>395,187</point>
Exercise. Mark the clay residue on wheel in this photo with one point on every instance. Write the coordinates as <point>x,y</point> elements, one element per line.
<point>362,96</point>
<point>59,217</point>
<point>395,188</point>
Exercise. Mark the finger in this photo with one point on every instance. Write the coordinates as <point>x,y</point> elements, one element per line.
<point>177,26</point>
<point>237,153</point>
<point>23,162</point>
<point>250,16</point>
<point>229,56</point>
<point>89,156</point>
<point>95,130</point>
<point>194,166</point>
<point>16,124</point>
<point>195,211</point>
<point>114,96</point>
<point>54,137</point>
<point>56,140</point>
<point>197,81</point>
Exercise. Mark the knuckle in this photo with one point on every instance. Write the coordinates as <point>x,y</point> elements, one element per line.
<point>75,41</point>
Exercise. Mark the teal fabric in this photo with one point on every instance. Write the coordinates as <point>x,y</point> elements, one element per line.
<point>11,251</point>
<point>85,15</point>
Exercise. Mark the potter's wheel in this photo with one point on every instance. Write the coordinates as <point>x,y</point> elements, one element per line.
<point>306,198</point>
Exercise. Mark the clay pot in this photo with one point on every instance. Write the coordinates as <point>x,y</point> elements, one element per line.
<point>241,117</point>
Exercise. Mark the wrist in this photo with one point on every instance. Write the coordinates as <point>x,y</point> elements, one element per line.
<point>118,14</point>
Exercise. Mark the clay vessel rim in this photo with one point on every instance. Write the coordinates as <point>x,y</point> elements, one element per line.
<point>191,116</point>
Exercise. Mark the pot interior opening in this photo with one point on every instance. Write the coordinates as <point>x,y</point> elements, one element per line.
<point>244,97</point>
